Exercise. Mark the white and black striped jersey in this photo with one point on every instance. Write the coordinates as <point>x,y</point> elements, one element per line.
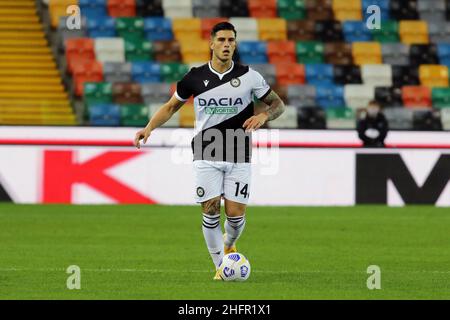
<point>222,103</point>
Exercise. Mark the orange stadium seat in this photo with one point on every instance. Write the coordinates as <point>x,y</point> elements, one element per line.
<point>347,9</point>
<point>187,28</point>
<point>86,72</point>
<point>366,53</point>
<point>263,8</point>
<point>79,50</point>
<point>290,73</point>
<point>122,8</point>
<point>416,96</point>
<point>58,9</point>
<point>187,115</point>
<point>433,75</point>
<point>272,29</point>
<point>207,24</point>
<point>413,32</point>
<point>195,51</point>
<point>281,51</point>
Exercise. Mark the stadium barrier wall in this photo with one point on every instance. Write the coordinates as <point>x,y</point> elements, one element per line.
<point>316,168</point>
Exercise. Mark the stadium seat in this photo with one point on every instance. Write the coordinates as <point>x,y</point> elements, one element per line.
<point>316,74</point>
<point>444,53</point>
<point>399,118</point>
<point>301,30</point>
<point>262,8</point>
<point>136,115</point>
<point>167,51</point>
<point>158,29</point>
<point>440,97</point>
<point>338,53</point>
<point>358,96</point>
<point>58,9</point>
<point>173,71</point>
<point>121,8</point>
<point>206,8</point>
<point>347,9</point>
<point>155,92</point>
<point>187,116</point>
<point>281,51</point>
<point>366,53</point>
<point>267,70</point>
<point>395,53</point>
<point>287,120</point>
<point>174,121</point>
<point>195,51</point>
<point>138,50</point>
<point>405,75</point>
<point>388,32</point>
<point>93,9</point>
<point>63,33</point>
<point>177,8</point>
<point>389,96</point>
<point>329,95</point>
<point>431,10</point>
<point>185,29</point>
<point>433,75</point>
<point>291,9</point>
<point>340,118</point>
<point>423,54</point>
<point>377,74</point>
<point>329,31</point>
<point>234,8</point>
<point>252,52</point>
<point>413,32</point>
<point>124,93</point>
<point>356,31</point>
<point>382,4</point>
<point>130,28</point>
<point>80,50</point>
<point>403,10</point>
<point>104,115</point>
<point>347,74</point>
<point>97,93</point>
<point>290,73</point>
<point>319,9</point>
<point>86,72</point>
<point>310,52</point>
<point>117,71</point>
<point>145,71</point>
<point>207,24</point>
<point>272,29</point>
<point>247,28</point>
<point>149,8</point>
<point>101,27</point>
<point>301,95</point>
<point>311,118</point>
<point>110,49</point>
<point>416,96</point>
<point>427,120</point>
<point>445,118</point>
<point>439,31</point>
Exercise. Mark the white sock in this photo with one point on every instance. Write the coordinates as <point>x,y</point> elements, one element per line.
<point>233,228</point>
<point>213,237</point>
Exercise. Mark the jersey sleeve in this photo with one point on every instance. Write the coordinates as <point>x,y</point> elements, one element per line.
<point>260,87</point>
<point>184,91</point>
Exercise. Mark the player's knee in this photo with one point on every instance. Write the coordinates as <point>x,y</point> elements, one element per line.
<point>211,206</point>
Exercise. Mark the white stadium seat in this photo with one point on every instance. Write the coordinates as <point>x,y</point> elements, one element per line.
<point>177,8</point>
<point>377,74</point>
<point>247,28</point>
<point>110,49</point>
<point>358,96</point>
<point>287,120</point>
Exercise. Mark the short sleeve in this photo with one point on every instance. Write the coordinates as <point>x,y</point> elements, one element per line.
<point>260,87</point>
<point>184,91</point>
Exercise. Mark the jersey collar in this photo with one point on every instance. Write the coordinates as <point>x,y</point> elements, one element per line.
<point>220,75</point>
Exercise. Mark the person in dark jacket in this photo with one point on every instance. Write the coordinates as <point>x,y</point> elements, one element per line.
<point>372,126</point>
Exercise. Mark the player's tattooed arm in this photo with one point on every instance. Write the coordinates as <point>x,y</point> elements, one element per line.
<point>275,107</point>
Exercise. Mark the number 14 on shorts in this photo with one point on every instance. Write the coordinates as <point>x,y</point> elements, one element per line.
<point>243,191</point>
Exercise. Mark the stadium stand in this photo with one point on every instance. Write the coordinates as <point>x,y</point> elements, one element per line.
<point>316,53</point>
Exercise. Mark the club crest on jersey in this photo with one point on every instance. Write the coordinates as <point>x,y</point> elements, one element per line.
<point>235,82</point>
<point>200,191</point>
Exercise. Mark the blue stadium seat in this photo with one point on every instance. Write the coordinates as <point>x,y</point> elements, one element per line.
<point>158,29</point>
<point>382,4</point>
<point>319,73</point>
<point>444,53</point>
<point>93,9</point>
<point>104,114</point>
<point>329,95</point>
<point>252,52</point>
<point>101,27</point>
<point>146,71</point>
<point>356,31</point>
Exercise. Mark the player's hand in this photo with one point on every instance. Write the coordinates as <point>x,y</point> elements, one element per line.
<point>255,122</point>
<point>141,134</point>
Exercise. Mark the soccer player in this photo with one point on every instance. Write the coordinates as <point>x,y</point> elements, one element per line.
<point>223,94</point>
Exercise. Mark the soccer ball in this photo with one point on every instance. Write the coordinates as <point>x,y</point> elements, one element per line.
<point>234,267</point>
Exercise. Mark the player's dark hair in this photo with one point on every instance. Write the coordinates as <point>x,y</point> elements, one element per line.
<point>223,26</point>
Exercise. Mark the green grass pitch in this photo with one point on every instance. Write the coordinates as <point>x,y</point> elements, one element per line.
<point>158,252</point>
